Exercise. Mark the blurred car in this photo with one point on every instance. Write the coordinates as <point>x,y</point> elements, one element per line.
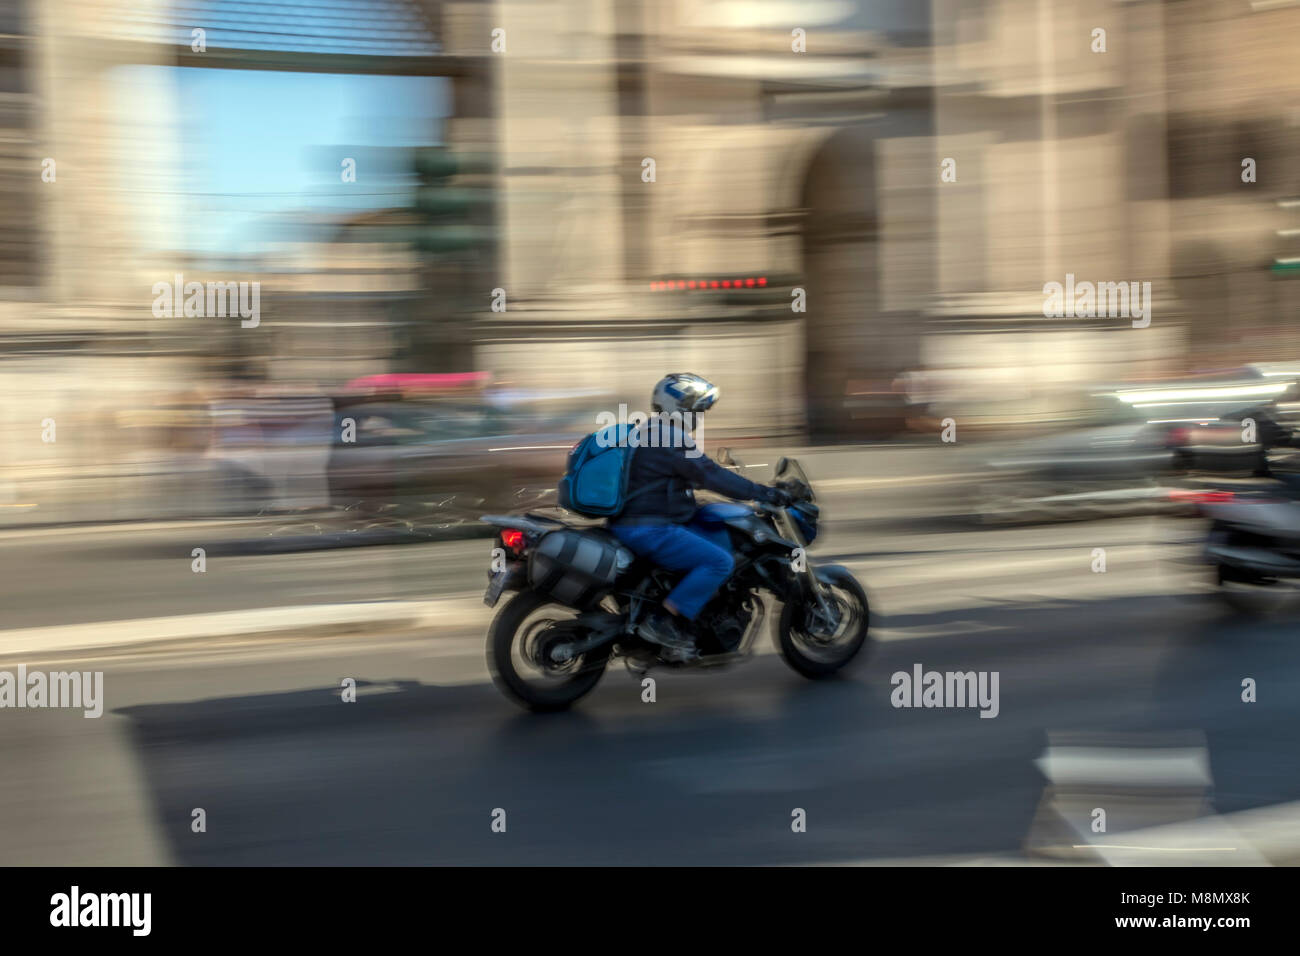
<point>876,408</point>
<point>1130,442</point>
<point>317,455</point>
<point>447,456</point>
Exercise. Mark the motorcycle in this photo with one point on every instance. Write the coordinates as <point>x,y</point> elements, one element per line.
<point>580,597</point>
<point>1252,542</point>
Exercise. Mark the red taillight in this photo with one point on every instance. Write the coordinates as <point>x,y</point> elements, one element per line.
<point>514,540</point>
<point>1178,437</point>
<point>1201,497</point>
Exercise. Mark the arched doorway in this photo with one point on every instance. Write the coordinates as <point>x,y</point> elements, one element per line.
<point>850,360</point>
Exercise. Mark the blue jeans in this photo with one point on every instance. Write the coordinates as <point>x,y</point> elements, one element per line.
<point>701,548</point>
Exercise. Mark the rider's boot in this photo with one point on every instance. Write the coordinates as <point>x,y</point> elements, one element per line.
<point>663,629</point>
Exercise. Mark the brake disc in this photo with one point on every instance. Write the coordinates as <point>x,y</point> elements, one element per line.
<point>815,620</point>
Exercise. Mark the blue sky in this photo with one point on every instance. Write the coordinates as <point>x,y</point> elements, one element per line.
<point>245,147</point>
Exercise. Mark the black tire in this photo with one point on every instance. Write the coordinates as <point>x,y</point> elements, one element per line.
<point>529,694</point>
<point>1258,600</point>
<point>794,644</point>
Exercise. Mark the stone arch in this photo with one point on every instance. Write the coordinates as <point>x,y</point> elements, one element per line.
<point>851,355</point>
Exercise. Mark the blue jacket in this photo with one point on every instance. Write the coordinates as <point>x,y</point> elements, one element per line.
<point>660,487</point>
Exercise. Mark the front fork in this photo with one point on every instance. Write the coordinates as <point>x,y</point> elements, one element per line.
<point>812,584</point>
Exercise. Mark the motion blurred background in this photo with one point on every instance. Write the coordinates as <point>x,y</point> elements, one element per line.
<point>472,226</point>
<point>646,184</point>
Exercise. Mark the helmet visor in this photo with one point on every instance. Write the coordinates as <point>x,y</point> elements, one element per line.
<point>705,401</point>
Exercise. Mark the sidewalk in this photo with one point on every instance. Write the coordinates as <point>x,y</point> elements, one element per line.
<point>452,613</point>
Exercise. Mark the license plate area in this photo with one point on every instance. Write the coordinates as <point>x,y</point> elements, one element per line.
<point>496,584</point>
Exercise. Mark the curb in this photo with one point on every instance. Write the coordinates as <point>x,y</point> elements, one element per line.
<point>261,623</point>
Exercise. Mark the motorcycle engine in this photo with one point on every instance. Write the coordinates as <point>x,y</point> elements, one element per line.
<point>723,627</point>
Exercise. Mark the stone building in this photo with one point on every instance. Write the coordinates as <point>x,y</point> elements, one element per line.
<point>806,143</point>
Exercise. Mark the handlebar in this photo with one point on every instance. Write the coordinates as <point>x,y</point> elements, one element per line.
<point>795,488</point>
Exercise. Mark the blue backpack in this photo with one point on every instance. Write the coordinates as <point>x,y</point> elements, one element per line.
<point>595,479</point>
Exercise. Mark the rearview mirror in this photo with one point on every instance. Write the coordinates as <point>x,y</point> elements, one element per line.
<point>724,457</point>
<point>781,466</point>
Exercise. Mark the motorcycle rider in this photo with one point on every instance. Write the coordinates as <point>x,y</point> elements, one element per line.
<point>660,521</point>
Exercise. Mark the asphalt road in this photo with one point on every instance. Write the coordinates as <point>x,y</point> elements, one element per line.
<point>83,574</point>
<point>412,771</point>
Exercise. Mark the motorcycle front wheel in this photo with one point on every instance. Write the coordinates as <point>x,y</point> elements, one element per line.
<point>529,654</point>
<point>817,647</point>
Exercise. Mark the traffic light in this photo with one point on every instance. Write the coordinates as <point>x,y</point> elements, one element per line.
<point>454,202</point>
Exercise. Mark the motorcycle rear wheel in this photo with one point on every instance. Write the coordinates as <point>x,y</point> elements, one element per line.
<point>526,632</point>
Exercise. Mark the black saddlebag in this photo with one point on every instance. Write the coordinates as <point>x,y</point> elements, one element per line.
<point>576,566</point>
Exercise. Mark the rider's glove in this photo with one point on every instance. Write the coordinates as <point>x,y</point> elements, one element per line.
<point>779,497</point>
<point>797,489</point>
